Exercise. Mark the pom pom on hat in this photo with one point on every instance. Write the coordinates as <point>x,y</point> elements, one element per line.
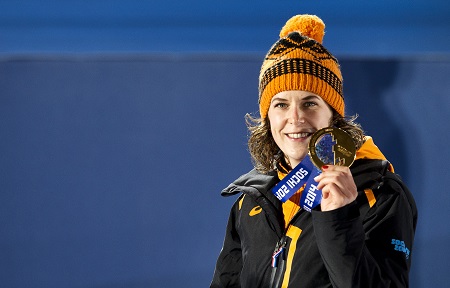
<point>308,25</point>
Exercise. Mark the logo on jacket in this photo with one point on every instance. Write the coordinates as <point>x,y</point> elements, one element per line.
<point>255,211</point>
<point>400,246</point>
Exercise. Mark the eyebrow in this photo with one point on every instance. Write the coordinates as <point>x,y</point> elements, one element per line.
<point>311,97</point>
<point>278,98</point>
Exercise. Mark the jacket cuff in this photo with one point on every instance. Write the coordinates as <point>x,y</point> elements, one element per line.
<point>345,213</point>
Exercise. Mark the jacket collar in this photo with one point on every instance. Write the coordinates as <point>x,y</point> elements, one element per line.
<point>257,186</point>
<point>255,180</point>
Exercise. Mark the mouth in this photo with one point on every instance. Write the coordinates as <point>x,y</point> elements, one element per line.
<point>299,135</point>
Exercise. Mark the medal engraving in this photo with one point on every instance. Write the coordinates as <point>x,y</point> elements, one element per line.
<point>331,146</point>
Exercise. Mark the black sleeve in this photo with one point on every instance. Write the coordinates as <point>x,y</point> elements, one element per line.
<point>373,250</point>
<point>229,262</point>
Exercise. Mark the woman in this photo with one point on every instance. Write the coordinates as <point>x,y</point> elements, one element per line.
<point>361,234</point>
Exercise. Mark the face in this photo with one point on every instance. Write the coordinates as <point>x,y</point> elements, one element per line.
<point>294,116</point>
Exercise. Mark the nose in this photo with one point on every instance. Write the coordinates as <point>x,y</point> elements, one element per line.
<point>295,115</point>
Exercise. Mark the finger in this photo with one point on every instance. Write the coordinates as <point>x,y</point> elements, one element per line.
<point>338,184</point>
<point>341,176</point>
<point>331,199</point>
<point>330,168</point>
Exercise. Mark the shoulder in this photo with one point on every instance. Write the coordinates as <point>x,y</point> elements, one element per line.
<point>393,189</point>
<point>251,183</point>
<point>381,190</point>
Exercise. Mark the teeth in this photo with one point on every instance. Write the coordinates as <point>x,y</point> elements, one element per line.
<point>298,135</point>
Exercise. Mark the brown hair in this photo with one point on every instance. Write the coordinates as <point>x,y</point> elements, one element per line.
<point>267,156</point>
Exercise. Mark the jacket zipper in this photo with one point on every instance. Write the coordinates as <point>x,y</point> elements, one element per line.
<point>278,257</point>
<point>278,262</point>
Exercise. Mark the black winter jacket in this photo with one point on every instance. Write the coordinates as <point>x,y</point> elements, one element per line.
<point>367,243</point>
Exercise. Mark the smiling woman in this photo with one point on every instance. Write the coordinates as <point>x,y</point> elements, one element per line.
<point>294,116</point>
<point>346,240</point>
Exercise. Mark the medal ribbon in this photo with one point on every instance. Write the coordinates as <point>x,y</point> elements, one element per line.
<point>302,174</point>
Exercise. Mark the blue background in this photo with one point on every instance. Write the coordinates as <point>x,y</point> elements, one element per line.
<point>121,121</point>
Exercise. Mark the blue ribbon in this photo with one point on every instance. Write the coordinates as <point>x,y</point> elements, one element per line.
<point>302,174</point>
<point>311,196</point>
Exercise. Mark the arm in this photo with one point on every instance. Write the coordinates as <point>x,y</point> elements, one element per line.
<point>368,254</point>
<point>229,262</point>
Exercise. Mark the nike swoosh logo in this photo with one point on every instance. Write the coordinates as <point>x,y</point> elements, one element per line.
<point>255,211</point>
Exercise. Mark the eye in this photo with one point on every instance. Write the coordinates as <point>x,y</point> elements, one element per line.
<point>280,105</point>
<point>309,104</point>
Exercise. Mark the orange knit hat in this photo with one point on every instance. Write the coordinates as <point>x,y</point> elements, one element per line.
<point>298,61</point>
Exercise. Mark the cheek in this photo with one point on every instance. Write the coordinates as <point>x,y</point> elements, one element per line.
<point>274,131</point>
<point>320,122</point>
<point>327,122</point>
<point>273,121</point>
<point>326,118</point>
<point>274,128</point>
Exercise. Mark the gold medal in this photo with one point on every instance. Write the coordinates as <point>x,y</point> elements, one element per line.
<point>331,146</point>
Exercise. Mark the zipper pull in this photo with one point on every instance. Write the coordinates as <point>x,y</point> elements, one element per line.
<point>279,250</point>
